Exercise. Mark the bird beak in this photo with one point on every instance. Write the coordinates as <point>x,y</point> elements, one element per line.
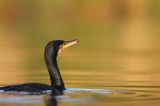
<point>66,44</point>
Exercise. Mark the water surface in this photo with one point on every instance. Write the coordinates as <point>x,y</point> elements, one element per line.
<point>108,80</point>
<point>115,63</point>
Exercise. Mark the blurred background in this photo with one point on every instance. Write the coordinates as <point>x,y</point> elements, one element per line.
<point>119,41</point>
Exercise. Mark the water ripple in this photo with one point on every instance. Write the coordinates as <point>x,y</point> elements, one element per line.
<point>92,90</point>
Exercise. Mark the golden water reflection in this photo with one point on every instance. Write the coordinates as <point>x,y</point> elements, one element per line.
<point>119,45</point>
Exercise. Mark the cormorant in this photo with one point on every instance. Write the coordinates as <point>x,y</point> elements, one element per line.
<point>52,49</point>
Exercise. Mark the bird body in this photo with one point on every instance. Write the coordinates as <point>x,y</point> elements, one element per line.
<point>27,87</point>
<point>50,55</point>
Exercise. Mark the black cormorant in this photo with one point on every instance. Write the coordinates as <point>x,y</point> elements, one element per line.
<point>50,55</point>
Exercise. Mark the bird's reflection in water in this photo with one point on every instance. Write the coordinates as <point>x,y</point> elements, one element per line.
<point>51,99</point>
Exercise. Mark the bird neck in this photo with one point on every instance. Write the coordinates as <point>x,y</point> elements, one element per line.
<point>55,75</point>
